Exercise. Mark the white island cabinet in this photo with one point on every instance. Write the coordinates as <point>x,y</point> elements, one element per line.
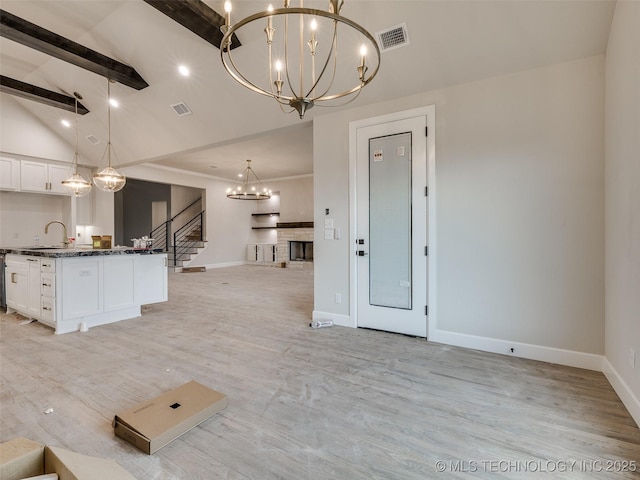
<point>85,290</point>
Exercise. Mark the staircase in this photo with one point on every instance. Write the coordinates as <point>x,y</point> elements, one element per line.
<point>186,242</point>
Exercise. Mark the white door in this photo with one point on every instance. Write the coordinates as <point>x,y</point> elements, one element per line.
<point>391,226</point>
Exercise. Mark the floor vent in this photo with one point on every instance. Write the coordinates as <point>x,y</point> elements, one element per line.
<point>181,109</point>
<point>93,139</point>
<point>393,37</point>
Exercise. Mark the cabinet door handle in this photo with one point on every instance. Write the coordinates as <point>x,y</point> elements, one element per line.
<point>46,308</point>
<point>46,284</point>
<point>31,260</point>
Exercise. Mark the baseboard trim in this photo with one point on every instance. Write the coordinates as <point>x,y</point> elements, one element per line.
<point>336,318</point>
<point>569,358</point>
<point>223,265</point>
<point>622,389</point>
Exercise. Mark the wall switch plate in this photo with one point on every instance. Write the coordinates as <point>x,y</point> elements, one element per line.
<point>337,234</point>
<point>328,223</point>
<point>338,298</point>
<point>632,358</point>
<point>328,234</point>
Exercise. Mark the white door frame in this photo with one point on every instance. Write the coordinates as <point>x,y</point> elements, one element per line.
<point>430,113</point>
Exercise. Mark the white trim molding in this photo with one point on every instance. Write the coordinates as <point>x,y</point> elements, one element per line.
<point>560,356</point>
<point>622,389</point>
<point>336,318</point>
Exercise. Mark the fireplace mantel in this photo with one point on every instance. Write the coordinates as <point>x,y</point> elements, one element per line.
<point>294,225</point>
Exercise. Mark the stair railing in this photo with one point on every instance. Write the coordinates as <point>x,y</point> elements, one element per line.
<point>187,236</point>
<point>161,235</point>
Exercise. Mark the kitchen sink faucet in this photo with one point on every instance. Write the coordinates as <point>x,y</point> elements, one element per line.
<point>65,239</point>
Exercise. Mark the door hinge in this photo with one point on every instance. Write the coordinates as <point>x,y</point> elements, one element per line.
<point>426,309</point>
<point>426,251</point>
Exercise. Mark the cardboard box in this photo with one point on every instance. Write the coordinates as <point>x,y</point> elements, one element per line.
<point>151,425</point>
<point>22,458</point>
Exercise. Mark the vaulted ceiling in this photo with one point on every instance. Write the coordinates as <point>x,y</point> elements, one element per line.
<point>451,42</point>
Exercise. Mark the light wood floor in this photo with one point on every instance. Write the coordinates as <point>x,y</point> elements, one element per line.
<point>333,403</point>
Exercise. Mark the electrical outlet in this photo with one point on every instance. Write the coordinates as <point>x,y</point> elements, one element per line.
<point>338,298</point>
<point>632,358</point>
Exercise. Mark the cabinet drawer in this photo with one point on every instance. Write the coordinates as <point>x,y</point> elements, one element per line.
<point>48,265</point>
<point>48,287</point>
<point>48,309</point>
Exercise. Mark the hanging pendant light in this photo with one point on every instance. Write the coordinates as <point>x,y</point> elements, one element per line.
<point>301,64</point>
<point>249,188</point>
<point>76,183</point>
<point>109,179</point>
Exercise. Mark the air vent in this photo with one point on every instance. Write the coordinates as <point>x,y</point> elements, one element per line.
<point>393,37</point>
<point>93,139</point>
<point>181,109</point>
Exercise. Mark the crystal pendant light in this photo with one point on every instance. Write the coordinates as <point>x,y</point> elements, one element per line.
<point>76,184</point>
<point>109,179</point>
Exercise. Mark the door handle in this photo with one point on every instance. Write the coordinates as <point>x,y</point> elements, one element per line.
<point>13,278</point>
<point>361,253</point>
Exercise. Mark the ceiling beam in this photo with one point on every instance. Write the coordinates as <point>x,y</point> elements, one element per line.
<point>196,16</point>
<point>41,95</point>
<point>38,38</point>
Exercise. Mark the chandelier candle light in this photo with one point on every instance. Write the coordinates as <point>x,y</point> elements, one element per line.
<point>304,68</point>
<point>248,188</point>
<point>76,183</point>
<point>109,179</point>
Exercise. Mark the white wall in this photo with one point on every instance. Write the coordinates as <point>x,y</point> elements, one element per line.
<point>520,208</point>
<point>24,215</point>
<point>622,200</point>
<point>23,133</point>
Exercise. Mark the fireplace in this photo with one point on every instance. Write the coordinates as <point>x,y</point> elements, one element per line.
<point>300,251</point>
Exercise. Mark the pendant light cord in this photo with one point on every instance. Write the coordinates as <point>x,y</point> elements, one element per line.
<point>109,120</point>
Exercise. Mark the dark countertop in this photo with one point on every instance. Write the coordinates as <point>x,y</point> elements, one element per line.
<point>57,252</point>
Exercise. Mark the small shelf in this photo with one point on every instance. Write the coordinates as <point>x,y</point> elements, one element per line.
<point>272,214</point>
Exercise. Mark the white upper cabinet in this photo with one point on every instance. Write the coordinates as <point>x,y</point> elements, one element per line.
<point>43,177</point>
<point>9,174</point>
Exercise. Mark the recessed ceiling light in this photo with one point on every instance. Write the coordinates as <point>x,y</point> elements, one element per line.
<point>66,123</point>
<point>114,102</point>
<point>184,71</point>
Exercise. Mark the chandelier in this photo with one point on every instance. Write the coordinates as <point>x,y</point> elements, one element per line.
<point>76,183</point>
<point>249,188</point>
<point>302,64</point>
<point>109,179</point>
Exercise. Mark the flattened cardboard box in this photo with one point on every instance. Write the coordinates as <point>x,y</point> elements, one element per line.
<point>151,425</point>
<point>20,458</point>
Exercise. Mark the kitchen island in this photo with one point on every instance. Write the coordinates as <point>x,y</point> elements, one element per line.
<point>72,289</point>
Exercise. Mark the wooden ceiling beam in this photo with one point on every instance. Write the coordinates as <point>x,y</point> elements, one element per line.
<point>41,95</point>
<point>38,38</point>
<point>197,17</point>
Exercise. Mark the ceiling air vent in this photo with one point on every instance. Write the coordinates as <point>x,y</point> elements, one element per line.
<point>393,37</point>
<point>93,139</point>
<point>181,109</point>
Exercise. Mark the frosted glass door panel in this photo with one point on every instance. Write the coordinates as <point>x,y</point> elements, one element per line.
<point>390,221</point>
